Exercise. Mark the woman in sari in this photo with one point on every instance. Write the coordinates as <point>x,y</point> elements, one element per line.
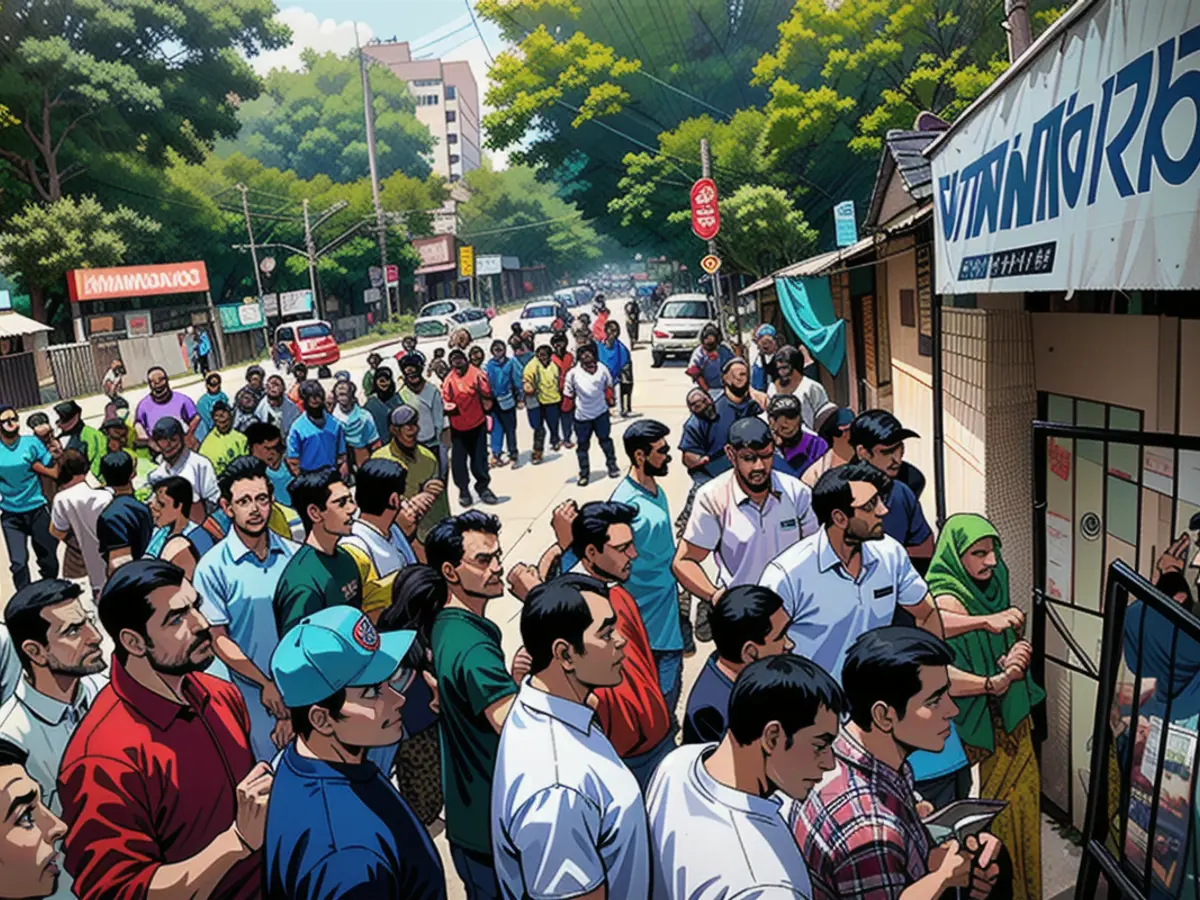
<point>967,577</point>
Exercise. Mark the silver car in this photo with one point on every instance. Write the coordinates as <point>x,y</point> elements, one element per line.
<point>678,323</point>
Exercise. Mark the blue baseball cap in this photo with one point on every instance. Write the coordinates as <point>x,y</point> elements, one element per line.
<point>332,649</point>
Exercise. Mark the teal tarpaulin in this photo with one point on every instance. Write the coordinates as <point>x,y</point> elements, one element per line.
<point>807,304</point>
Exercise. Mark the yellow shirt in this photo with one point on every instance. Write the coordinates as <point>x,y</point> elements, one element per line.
<point>376,591</point>
<point>280,521</point>
<point>543,380</point>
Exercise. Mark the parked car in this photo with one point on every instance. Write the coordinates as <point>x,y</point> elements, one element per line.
<point>308,341</point>
<point>436,308</point>
<point>678,323</point>
<point>576,295</point>
<point>440,326</point>
<point>542,316</point>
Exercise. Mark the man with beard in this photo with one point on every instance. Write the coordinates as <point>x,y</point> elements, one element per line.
<point>320,574</point>
<point>707,430</point>
<point>178,459</point>
<point>425,398</point>
<point>590,387</point>
<point>798,446</point>
<point>344,685</point>
<point>317,440</point>
<point>29,862</point>
<point>24,516</point>
<point>707,364</point>
<point>729,795</point>
<point>476,691</point>
<point>161,403</point>
<point>158,782</point>
<point>237,580</point>
<point>466,397</point>
<point>275,408</point>
<point>384,399</point>
<point>747,516</point>
<point>56,639</point>
<point>212,394</point>
<point>73,434</point>
<point>420,466</point>
<point>567,815</point>
<point>824,579</point>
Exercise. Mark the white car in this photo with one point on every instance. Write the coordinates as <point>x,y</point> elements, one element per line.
<point>678,323</point>
<point>439,319</point>
<point>540,316</point>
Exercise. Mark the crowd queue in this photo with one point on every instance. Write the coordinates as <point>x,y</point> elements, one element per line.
<point>265,668</point>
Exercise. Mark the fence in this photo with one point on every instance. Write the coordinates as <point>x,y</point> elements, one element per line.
<point>18,380</point>
<point>74,369</point>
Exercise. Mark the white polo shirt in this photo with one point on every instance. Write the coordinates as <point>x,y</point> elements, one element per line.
<point>197,470</point>
<point>588,390</point>
<point>743,536</point>
<point>711,842</point>
<point>567,815</point>
<point>828,608</point>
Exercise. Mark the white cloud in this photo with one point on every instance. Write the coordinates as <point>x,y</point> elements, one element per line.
<point>321,35</point>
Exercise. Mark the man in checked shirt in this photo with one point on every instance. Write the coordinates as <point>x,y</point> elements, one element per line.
<point>860,831</point>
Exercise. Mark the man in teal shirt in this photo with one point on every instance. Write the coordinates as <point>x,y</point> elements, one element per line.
<point>650,579</point>
<point>24,515</point>
<point>212,394</point>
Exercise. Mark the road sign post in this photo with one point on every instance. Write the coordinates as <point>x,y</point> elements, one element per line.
<point>706,224</point>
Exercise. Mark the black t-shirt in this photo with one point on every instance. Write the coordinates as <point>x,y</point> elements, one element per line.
<point>124,523</point>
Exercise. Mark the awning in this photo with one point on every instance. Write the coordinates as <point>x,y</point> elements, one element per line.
<point>807,305</point>
<point>814,265</point>
<point>909,220</point>
<point>14,324</point>
<point>439,267</point>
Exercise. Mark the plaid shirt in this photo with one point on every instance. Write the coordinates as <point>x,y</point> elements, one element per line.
<point>859,830</point>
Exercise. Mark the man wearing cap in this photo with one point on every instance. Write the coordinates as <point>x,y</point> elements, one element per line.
<point>878,438</point>
<point>336,827</point>
<point>425,398</point>
<point>420,464</point>
<point>160,403</point>
<point>212,394</point>
<point>762,373</point>
<point>796,444</point>
<point>75,435</point>
<point>747,516</point>
<point>466,397</point>
<point>317,440</point>
<point>177,459</point>
<point>833,427</point>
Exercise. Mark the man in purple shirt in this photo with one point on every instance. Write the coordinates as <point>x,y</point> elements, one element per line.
<point>798,446</point>
<point>162,402</point>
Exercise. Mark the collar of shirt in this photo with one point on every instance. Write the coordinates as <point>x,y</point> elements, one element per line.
<point>576,715</point>
<point>732,798</point>
<point>740,496</point>
<point>49,710</point>
<point>159,711</point>
<point>854,754</point>
<point>827,557</point>
<point>239,551</point>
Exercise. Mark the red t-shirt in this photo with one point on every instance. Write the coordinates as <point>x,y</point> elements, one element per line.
<point>565,364</point>
<point>633,714</point>
<point>466,391</point>
<point>145,782</point>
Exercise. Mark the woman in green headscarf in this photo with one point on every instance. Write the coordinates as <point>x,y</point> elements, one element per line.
<point>969,581</point>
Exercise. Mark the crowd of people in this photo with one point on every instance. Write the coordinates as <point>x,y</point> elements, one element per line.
<point>265,667</point>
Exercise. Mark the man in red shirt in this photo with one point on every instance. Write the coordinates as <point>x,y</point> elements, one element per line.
<point>158,783</point>
<point>466,397</point>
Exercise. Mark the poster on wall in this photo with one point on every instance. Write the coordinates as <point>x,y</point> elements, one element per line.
<point>924,260</point>
<point>1059,551</point>
<point>237,317</point>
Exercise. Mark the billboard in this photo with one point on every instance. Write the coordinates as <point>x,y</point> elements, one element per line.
<point>492,264</point>
<point>237,317</point>
<point>136,281</point>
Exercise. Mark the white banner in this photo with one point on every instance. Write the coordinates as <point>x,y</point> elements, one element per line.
<point>293,302</point>
<point>1081,172</point>
<point>488,265</point>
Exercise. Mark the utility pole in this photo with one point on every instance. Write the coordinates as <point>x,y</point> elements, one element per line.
<point>257,274</point>
<point>368,114</point>
<point>712,248</point>
<point>312,262</point>
<point>1020,31</point>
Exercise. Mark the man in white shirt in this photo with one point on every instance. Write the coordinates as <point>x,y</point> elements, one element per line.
<point>849,577</point>
<point>75,510</point>
<point>426,399</point>
<point>790,379</point>
<point>383,514</point>
<point>59,646</point>
<point>177,459</point>
<point>747,516</point>
<point>710,837</point>
<point>568,819</point>
<point>591,385</point>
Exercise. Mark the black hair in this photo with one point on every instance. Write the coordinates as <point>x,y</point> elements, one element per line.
<point>261,432</point>
<point>221,406</point>
<point>444,544</point>
<point>885,664</point>
<point>243,468</point>
<point>832,491</point>
<point>36,420</point>
<point>299,714</point>
<point>299,365</point>
<point>786,689</point>
<point>179,489</point>
<point>312,489</point>
<point>590,526</point>
<point>374,483</point>
<point>744,614</point>
<point>644,434</point>
<point>10,753</point>
<point>311,389</point>
<point>150,371</point>
<point>558,337</point>
<point>255,370</point>
<point>71,464</point>
<point>8,407</point>
<point>793,356</point>
<point>554,611</point>
<point>116,468</point>
<point>710,330</point>
<point>418,595</point>
<point>499,343</point>
<point>167,427</point>
<point>125,601</point>
<point>750,433</point>
<point>874,427</point>
<point>23,615</point>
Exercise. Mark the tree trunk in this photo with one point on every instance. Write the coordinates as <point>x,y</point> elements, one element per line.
<point>37,302</point>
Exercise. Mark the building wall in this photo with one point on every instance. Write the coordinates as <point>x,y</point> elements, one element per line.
<point>466,105</point>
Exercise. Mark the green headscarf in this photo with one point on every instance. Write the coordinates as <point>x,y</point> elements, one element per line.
<point>977,651</point>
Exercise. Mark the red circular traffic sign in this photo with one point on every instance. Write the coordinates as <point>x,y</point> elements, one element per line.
<point>706,215</point>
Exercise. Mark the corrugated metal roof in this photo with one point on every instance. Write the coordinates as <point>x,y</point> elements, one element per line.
<point>814,265</point>
<point>13,324</point>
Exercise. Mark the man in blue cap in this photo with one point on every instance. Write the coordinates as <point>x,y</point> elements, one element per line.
<point>335,825</point>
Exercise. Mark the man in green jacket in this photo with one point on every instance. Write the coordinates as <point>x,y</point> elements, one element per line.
<point>75,435</point>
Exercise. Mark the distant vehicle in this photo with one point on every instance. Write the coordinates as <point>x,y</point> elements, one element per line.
<point>309,341</point>
<point>678,323</point>
<point>576,295</point>
<point>542,316</point>
<point>441,308</point>
<point>440,325</point>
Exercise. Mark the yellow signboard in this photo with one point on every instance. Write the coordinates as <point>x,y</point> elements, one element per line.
<point>466,262</point>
